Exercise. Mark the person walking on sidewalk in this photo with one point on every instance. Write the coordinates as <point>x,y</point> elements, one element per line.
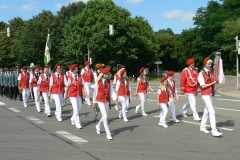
<point>141,90</point>
<point>189,87</point>
<point>35,75</point>
<point>207,82</point>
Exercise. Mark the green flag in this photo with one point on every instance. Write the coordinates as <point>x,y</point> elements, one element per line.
<point>47,50</point>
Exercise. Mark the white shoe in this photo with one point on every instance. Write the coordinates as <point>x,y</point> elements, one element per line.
<point>204,130</point>
<point>78,126</point>
<point>72,122</point>
<point>125,120</point>
<point>176,121</point>
<point>97,129</point>
<point>184,115</point>
<point>89,104</point>
<point>160,124</point>
<point>59,119</point>
<point>109,137</point>
<point>39,110</point>
<point>144,114</point>
<point>25,106</point>
<point>216,133</point>
<point>120,115</point>
<point>164,125</point>
<point>126,111</point>
<point>48,115</point>
<point>137,107</point>
<point>197,119</point>
<point>116,107</point>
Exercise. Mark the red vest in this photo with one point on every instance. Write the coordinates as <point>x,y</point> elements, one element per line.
<point>172,88</point>
<point>123,90</point>
<point>88,75</point>
<point>58,84</point>
<point>103,93</point>
<point>44,83</point>
<point>75,87</point>
<point>208,80</point>
<point>25,80</point>
<point>163,97</point>
<point>142,87</point>
<point>189,81</point>
<point>34,80</point>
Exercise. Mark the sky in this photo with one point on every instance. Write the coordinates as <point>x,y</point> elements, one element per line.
<point>161,14</point>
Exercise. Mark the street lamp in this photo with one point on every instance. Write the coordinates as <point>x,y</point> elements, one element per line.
<point>111,32</point>
<point>8,32</point>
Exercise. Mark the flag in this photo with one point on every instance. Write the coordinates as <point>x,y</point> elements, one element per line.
<point>47,50</point>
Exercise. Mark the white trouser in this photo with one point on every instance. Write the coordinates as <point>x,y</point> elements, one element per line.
<point>143,97</point>
<point>208,111</point>
<point>104,111</point>
<point>25,96</point>
<point>124,100</point>
<point>171,105</point>
<point>190,103</point>
<point>46,101</point>
<point>57,100</point>
<point>163,113</point>
<point>88,90</point>
<point>77,105</point>
<point>61,99</point>
<point>36,97</point>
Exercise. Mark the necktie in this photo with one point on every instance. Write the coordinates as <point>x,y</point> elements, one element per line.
<point>46,77</point>
<point>208,73</point>
<point>25,74</point>
<point>105,84</point>
<point>58,75</point>
<point>75,77</point>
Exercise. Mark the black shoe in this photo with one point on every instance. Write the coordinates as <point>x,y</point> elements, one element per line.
<point>20,100</point>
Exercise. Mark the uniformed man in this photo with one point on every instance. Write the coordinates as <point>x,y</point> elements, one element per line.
<point>1,81</point>
<point>35,75</point>
<point>10,84</point>
<point>6,81</point>
<point>15,82</point>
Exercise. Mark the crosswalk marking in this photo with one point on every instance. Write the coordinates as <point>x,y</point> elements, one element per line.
<point>2,104</point>
<point>14,110</point>
<point>72,137</point>
<point>35,120</point>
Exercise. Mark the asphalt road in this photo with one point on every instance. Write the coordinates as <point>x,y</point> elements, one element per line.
<point>26,134</point>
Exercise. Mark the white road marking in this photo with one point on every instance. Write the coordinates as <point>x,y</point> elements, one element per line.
<point>227,129</point>
<point>228,100</point>
<point>1,104</point>
<point>14,109</point>
<point>35,120</point>
<point>227,109</point>
<point>72,137</point>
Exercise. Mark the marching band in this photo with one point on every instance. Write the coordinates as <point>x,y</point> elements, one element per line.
<point>75,85</point>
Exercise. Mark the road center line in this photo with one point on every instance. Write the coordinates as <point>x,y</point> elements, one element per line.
<point>35,120</point>
<point>228,100</point>
<point>227,109</point>
<point>2,104</point>
<point>72,137</point>
<point>14,110</point>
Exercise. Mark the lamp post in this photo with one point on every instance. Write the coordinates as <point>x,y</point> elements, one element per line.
<point>8,32</point>
<point>110,29</point>
<point>237,52</point>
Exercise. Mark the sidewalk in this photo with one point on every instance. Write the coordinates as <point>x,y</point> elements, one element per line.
<point>230,90</point>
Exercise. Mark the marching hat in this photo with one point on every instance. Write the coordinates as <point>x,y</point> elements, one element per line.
<point>122,66</point>
<point>73,66</point>
<point>35,67</point>
<point>141,70</point>
<point>105,70</point>
<point>122,71</point>
<point>190,61</point>
<point>45,67</point>
<point>86,63</point>
<point>205,60</point>
<point>17,67</point>
<point>24,67</point>
<point>56,65</point>
<point>100,65</point>
<point>170,73</point>
<point>163,79</point>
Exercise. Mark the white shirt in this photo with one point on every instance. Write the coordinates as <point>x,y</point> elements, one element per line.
<point>118,85</point>
<point>69,72</point>
<point>30,78</point>
<point>69,80</point>
<point>95,93</point>
<point>40,78</point>
<point>201,80</point>
<point>95,75</point>
<point>56,73</point>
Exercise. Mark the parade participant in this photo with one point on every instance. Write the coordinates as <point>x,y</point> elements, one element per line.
<point>63,89</point>
<point>189,87</point>
<point>87,74</point>
<point>123,93</point>
<point>43,86</point>
<point>57,82</point>
<point>74,90</point>
<point>164,95</point>
<point>103,90</point>
<point>24,84</point>
<point>36,75</point>
<point>171,84</point>
<point>6,81</point>
<point>10,84</point>
<point>95,75</point>
<point>207,82</point>
<point>141,90</point>
<point>15,82</point>
<point>68,73</point>
<point>1,81</point>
